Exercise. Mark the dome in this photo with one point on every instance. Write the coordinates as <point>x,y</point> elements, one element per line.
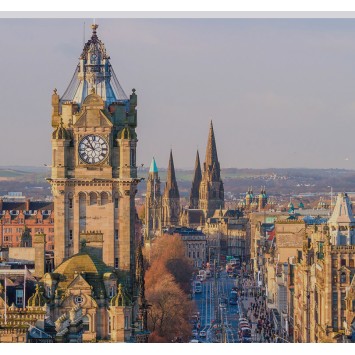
<point>60,132</point>
<point>121,299</point>
<point>290,205</point>
<point>301,205</point>
<point>37,299</point>
<point>82,262</point>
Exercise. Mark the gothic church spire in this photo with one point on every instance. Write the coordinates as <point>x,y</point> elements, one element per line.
<point>194,194</point>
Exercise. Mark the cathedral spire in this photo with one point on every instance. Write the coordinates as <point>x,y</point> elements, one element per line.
<point>211,162</point>
<point>194,194</point>
<point>211,193</point>
<point>171,197</point>
<point>171,188</point>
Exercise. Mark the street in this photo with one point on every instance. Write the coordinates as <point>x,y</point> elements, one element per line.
<point>210,309</point>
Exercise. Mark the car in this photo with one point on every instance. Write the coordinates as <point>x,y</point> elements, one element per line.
<point>195,333</point>
<point>203,334</point>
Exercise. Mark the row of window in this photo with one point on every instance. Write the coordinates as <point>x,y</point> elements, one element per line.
<point>194,255</point>
<point>22,221</point>
<point>343,262</point>
<point>93,200</point>
<point>10,238</point>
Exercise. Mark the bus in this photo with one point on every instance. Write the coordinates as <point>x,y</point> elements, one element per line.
<point>198,287</point>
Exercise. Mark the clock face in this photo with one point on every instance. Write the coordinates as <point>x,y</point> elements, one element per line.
<point>93,149</point>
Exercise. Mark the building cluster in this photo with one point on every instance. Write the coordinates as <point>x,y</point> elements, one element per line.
<point>307,268</point>
<point>209,231</point>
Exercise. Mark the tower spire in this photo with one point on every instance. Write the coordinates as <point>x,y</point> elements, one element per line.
<point>171,197</point>
<point>194,194</point>
<point>171,185</point>
<point>211,153</point>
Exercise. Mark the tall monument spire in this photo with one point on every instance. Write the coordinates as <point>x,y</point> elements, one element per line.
<point>171,197</point>
<point>211,194</point>
<point>194,194</point>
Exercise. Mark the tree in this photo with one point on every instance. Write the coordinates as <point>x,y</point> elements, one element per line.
<point>167,283</point>
<point>168,316</point>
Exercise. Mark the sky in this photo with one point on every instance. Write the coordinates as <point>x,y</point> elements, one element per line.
<point>280,92</point>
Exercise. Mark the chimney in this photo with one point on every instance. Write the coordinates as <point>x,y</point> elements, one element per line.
<point>27,206</point>
<point>1,204</point>
<point>39,244</point>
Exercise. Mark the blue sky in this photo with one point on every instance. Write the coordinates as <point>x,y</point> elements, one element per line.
<point>281,93</point>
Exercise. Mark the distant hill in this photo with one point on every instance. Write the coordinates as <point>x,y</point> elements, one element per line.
<point>29,180</point>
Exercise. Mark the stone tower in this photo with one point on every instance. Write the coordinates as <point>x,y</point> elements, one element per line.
<point>94,174</point>
<point>211,187</point>
<point>153,203</point>
<point>262,199</point>
<point>342,222</point>
<point>195,189</point>
<point>171,197</point>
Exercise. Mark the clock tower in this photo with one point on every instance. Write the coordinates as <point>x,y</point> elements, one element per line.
<point>94,174</point>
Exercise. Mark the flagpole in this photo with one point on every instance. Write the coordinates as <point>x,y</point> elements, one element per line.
<point>5,302</point>
<point>24,289</point>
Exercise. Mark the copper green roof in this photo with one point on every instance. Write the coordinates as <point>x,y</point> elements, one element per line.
<point>92,267</point>
<point>153,166</point>
<point>82,262</point>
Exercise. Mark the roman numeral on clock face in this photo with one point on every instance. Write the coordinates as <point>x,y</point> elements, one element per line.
<point>93,149</point>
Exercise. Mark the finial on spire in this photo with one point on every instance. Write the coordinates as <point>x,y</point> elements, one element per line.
<point>94,27</point>
<point>92,91</point>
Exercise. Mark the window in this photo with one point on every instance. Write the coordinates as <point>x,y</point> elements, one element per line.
<point>343,262</point>
<point>116,202</point>
<point>335,323</point>
<point>86,324</point>
<point>343,277</point>
<point>126,322</point>
<point>78,299</point>
<point>112,291</point>
<point>343,301</point>
<point>351,263</point>
<point>335,263</point>
<point>19,297</point>
<point>198,254</point>
<point>70,202</point>
<point>116,234</point>
<point>71,234</point>
<point>116,263</point>
<point>109,325</point>
<point>93,198</point>
<point>133,157</point>
<point>335,299</point>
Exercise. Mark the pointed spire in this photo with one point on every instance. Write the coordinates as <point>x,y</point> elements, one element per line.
<point>211,165</point>
<point>153,166</point>
<point>171,188</point>
<point>194,194</point>
<point>211,151</point>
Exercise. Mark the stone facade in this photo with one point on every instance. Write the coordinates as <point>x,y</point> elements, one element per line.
<point>94,173</point>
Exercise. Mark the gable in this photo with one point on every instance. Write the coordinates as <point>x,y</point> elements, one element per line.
<point>93,118</point>
<point>79,283</point>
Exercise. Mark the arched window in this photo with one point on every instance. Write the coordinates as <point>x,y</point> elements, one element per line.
<point>343,277</point>
<point>86,324</point>
<point>104,198</point>
<point>93,198</point>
